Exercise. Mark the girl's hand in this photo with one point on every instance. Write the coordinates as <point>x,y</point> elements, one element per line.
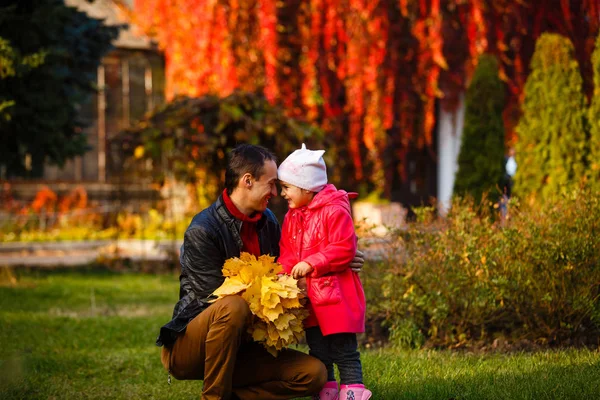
<point>302,285</point>
<point>301,269</point>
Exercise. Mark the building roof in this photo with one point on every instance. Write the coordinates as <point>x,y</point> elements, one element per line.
<point>114,12</point>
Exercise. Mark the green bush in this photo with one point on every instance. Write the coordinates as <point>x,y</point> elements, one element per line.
<point>552,147</point>
<point>470,278</point>
<point>481,157</point>
<point>189,135</point>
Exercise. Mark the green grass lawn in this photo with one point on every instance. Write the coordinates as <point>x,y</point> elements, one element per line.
<point>90,334</point>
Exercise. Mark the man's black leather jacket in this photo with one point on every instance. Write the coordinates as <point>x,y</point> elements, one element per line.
<point>212,237</point>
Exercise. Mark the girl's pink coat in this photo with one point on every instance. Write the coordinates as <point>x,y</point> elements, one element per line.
<point>322,234</point>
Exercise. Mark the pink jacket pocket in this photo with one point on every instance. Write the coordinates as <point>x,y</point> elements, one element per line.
<point>325,291</point>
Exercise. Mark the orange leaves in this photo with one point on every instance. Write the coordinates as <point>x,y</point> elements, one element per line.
<point>476,30</point>
<point>368,70</point>
<point>267,15</point>
<point>48,202</point>
<point>427,30</point>
<point>45,199</point>
<point>328,61</point>
<point>77,199</point>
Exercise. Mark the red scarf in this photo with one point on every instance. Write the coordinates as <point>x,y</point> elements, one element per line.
<point>248,233</point>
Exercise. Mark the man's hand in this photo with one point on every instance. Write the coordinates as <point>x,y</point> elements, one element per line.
<point>301,269</point>
<point>357,263</point>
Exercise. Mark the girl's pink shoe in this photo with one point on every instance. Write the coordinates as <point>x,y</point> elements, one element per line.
<point>329,392</point>
<point>355,393</point>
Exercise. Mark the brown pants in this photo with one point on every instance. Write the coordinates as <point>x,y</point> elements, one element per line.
<point>215,348</point>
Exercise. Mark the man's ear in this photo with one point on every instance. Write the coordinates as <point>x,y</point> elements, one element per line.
<point>246,180</point>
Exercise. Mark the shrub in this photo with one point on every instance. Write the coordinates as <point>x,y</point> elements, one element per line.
<point>188,139</point>
<point>467,278</point>
<point>552,149</point>
<point>481,157</point>
<point>188,134</point>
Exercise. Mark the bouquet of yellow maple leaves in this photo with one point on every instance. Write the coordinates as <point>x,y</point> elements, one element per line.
<point>274,299</point>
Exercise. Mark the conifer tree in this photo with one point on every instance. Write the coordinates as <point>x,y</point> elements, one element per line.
<point>481,157</point>
<point>552,146</point>
<point>49,55</point>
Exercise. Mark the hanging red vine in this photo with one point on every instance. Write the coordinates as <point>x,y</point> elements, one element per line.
<point>368,70</point>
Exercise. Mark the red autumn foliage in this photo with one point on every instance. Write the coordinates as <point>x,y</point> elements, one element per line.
<point>367,71</point>
<point>77,199</point>
<point>45,199</point>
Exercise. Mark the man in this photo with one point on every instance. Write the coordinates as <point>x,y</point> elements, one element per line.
<point>209,341</point>
<point>510,169</point>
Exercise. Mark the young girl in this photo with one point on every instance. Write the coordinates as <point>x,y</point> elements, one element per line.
<point>318,242</point>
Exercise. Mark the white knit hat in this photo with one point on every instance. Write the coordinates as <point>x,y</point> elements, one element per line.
<point>304,168</point>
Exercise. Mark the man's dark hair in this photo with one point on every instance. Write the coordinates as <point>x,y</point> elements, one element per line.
<point>246,158</point>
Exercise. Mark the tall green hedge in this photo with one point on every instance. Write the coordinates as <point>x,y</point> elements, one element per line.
<point>594,120</point>
<point>552,146</point>
<point>481,157</point>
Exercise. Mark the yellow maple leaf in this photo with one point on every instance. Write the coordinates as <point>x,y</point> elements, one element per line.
<point>273,267</point>
<point>247,257</point>
<point>286,335</point>
<point>272,350</point>
<point>270,300</point>
<point>231,285</point>
<point>283,321</point>
<point>291,303</point>
<point>289,286</point>
<point>271,314</point>
<point>232,266</point>
<point>246,274</point>
<point>272,334</point>
<point>259,331</point>
<point>272,286</point>
<point>252,296</point>
<point>257,269</point>
<point>298,336</point>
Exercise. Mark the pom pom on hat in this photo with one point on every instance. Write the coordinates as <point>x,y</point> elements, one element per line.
<point>304,168</point>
